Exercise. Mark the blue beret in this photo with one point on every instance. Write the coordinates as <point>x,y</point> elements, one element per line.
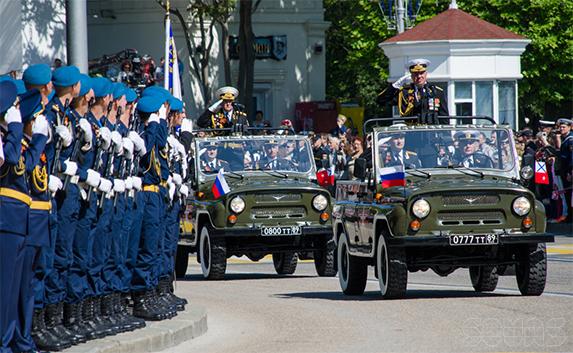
<point>149,104</point>
<point>86,84</point>
<point>157,91</point>
<point>7,95</point>
<point>101,86</point>
<point>29,104</point>
<point>66,76</point>
<point>118,90</point>
<point>176,104</point>
<point>130,95</point>
<point>39,74</point>
<point>20,86</point>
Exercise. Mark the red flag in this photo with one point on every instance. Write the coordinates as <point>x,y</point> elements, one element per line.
<point>541,175</point>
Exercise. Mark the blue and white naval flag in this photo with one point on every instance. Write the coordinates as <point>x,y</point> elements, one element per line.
<point>172,81</point>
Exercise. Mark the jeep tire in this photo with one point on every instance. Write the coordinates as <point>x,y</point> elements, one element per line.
<point>213,254</point>
<point>531,269</point>
<point>181,261</point>
<point>285,262</point>
<point>325,262</point>
<point>352,270</point>
<point>484,278</point>
<point>391,269</point>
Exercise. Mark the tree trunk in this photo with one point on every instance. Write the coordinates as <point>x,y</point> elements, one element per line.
<point>225,48</point>
<point>246,56</point>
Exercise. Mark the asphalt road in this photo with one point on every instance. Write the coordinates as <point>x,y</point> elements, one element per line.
<point>255,310</point>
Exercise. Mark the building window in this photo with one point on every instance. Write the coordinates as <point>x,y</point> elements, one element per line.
<point>484,98</point>
<point>507,113</point>
<point>463,98</point>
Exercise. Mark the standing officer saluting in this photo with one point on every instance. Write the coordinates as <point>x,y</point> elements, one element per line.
<point>418,98</point>
<point>224,113</point>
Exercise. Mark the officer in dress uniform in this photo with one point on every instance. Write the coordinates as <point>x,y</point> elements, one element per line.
<point>209,161</point>
<point>418,98</point>
<point>469,154</point>
<point>566,154</point>
<point>14,207</point>
<point>398,156</point>
<point>224,113</point>
<point>33,143</point>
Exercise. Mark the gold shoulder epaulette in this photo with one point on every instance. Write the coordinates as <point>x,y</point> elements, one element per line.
<point>411,153</point>
<point>439,88</point>
<point>56,108</point>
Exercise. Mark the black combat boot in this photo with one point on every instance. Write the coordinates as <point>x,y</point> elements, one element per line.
<point>106,313</point>
<point>54,316</point>
<point>172,290</point>
<point>130,322</point>
<point>96,330</point>
<point>165,292</point>
<point>163,304</point>
<point>142,307</point>
<point>43,338</point>
<point>73,319</point>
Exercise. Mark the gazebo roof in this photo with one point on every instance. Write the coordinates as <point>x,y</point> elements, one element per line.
<point>454,24</point>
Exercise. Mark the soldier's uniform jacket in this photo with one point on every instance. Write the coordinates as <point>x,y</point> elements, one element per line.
<point>37,171</point>
<point>57,114</point>
<point>566,152</point>
<point>409,159</point>
<point>221,119</point>
<point>214,166</point>
<point>414,101</point>
<point>476,160</point>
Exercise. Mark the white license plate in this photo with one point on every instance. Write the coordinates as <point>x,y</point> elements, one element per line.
<point>281,230</point>
<point>474,239</point>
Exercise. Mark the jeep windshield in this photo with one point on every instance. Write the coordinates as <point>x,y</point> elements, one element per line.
<point>464,148</point>
<point>269,154</point>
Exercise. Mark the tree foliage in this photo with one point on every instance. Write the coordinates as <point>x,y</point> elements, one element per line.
<point>357,68</point>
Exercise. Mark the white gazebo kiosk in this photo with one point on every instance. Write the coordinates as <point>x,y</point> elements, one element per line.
<point>476,62</point>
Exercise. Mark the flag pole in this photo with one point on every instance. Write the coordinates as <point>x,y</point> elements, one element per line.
<point>167,45</point>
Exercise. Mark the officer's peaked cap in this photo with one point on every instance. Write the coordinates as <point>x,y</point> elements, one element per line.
<point>468,135</point>
<point>66,76</point>
<point>149,104</point>
<point>417,65</point>
<point>8,95</point>
<point>564,121</point>
<point>29,104</point>
<point>38,74</point>
<point>227,93</point>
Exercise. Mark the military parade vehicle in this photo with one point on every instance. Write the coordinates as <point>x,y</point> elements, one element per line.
<point>255,194</point>
<point>439,197</point>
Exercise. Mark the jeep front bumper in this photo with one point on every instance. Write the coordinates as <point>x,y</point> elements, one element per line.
<point>443,240</point>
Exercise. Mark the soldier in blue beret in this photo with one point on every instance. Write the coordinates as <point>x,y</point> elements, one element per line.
<point>469,154</point>
<point>414,96</point>
<point>39,76</point>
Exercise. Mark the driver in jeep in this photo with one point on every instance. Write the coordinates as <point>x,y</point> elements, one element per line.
<point>469,154</point>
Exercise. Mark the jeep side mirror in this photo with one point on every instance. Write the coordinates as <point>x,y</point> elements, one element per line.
<point>360,168</point>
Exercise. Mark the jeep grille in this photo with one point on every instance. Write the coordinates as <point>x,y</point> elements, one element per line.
<point>464,199</point>
<point>278,212</point>
<point>470,218</point>
<point>274,198</point>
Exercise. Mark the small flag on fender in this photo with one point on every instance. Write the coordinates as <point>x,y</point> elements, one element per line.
<point>541,175</point>
<point>392,176</point>
<point>220,186</point>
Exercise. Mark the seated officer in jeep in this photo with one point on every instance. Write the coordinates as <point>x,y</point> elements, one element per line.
<point>209,161</point>
<point>468,153</point>
<point>396,155</point>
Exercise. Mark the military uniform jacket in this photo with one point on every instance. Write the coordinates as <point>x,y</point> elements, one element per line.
<point>57,114</point>
<point>149,163</point>
<point>414,101</point>
<point>566,154</point>
<point>220,120</point>
<point>214,166</point>
<point>476,160</point>
<point>37,171</point>
<point>407,158</point>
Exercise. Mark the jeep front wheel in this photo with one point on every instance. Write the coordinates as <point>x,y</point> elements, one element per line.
<point>285,263</point>
<point>531,269</point>
<point>213,255</point>
<point>325,262</point>
<point>391,269</point>
<point>352,270</point>
<point>484,278</point>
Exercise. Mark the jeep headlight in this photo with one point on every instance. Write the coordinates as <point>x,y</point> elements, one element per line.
<point>521,206</point>
<point>421,208</point>
<point>237,204</point>
<point>319,202</point>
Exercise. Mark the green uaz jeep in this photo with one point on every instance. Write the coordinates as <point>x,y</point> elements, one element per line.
<point>439,197</point>
<point>256,195</point>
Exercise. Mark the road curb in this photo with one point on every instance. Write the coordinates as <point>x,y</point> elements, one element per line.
<point>156,336</point>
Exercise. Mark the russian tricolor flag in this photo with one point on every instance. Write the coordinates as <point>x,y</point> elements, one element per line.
<point>392,176</point>
<point>220,186</point>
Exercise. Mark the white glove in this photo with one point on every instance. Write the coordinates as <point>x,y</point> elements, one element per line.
<point>118,185</point>
<point>184,167</point>
<point>136,183</point>
<point>153,118</point>
<point>54,184</point>
<point>186,125</point>
<point>104,185</point>
<point>128,183</point>
<point>86,127</point>
<point>163,112</point>
<point>117,142</point>
<point>172,141</point>
<point>177,179</point>
<point>402,81</point>
<point>64,134</point>
<point>105,136</point>
<point>184,190</point>
<point>40,126</point>
<point>13,115</point>
<point>93,178</point>
<point>138,142</point>
<point>215,106</point>
<point>128,148</point>
<point>171,191</point>
<point>181,150</point>
<point>70,168</point>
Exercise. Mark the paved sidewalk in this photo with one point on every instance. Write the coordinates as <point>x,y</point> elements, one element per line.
<point>156,336</point>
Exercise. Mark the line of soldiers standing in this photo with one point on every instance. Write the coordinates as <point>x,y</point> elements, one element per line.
<point>91,183</point>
